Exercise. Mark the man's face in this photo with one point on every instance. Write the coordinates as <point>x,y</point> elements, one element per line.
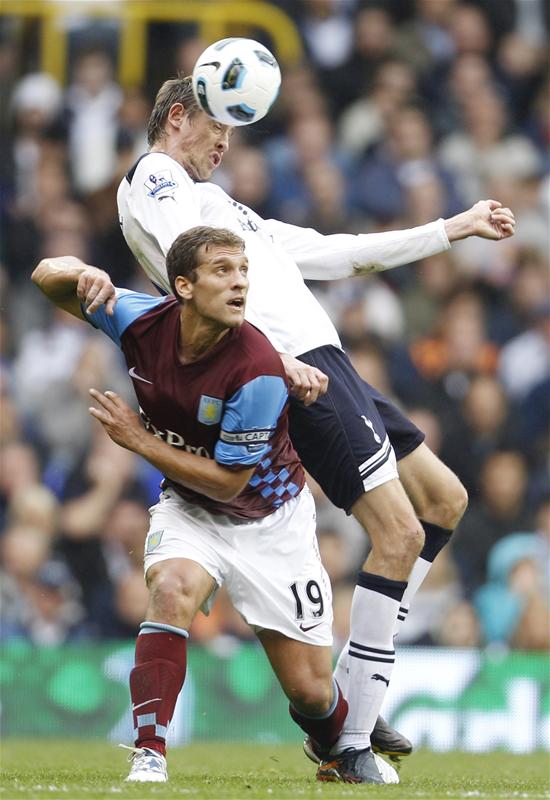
<point>203,143</point>
<point>219,293</point>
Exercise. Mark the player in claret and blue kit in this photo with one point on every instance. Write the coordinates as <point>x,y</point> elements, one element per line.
<point>234,509</point>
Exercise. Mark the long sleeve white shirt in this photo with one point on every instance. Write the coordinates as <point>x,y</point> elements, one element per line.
<point>161,201</point>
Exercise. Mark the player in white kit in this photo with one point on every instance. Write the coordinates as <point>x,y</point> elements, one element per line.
<point>367,456</point>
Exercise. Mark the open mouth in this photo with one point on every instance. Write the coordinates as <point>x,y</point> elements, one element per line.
<point>237,302</point>
<point>215,159</point>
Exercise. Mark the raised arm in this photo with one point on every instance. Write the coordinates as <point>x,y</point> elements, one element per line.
<point>344,255</point>
<point>67,281</point>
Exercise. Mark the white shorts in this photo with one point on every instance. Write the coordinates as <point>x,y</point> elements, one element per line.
<point>271,566</point>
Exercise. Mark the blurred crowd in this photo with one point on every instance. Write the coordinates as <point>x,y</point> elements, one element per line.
<point>401,112</point>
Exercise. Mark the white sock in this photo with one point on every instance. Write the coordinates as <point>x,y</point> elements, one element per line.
<point>374,609</point>
<point>416,578</point>
<point>436,539</point>
<point>341,670</point>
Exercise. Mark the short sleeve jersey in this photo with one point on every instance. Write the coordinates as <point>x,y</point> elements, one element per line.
<point>229,405</point>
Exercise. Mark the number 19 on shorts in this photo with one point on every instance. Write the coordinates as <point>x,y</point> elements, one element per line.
<point>309,595</point>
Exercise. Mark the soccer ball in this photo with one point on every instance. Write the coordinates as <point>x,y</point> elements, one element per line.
<point>236,81</point>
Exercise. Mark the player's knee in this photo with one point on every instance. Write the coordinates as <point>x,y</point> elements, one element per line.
<point>459,504</point>
<point>448,508</point>
<point>403,544</point>
<point>411,541</point>
<point>171,593</point>
<point>313,697</point>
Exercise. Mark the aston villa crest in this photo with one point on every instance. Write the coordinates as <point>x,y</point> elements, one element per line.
<point>210,410</point>
<point>153,540</point>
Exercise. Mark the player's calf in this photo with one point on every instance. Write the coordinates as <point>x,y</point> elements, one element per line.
<point>323,729</point>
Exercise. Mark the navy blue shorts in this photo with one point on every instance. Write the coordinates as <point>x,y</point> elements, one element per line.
<point>344,438</point>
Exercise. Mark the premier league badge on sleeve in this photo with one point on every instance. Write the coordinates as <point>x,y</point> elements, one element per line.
<point>210,410</point>
<point>160,185</point>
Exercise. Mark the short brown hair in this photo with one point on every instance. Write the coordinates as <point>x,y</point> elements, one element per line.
<point>175,90</point>
<point>183,258</point>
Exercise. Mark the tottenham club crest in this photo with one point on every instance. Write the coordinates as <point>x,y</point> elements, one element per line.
<point>160,185</point>
<point>210,410</point>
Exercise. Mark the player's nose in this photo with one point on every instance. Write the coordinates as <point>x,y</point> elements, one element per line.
<point>241,280</point>
<point>223,142</point>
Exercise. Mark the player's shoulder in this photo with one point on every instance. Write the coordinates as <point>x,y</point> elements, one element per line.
<point>130,306</point>
<point>157,172</point>
<point>138,301</point>
<point>258,353</point>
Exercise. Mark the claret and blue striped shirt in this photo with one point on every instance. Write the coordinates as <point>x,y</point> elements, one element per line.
<point>229,405</point>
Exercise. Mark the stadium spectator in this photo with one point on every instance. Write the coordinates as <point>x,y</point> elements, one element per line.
<point>19,470</point>
<point>40,600</point>
<point>425,40</point>
<point>363,124</point>
<point>327,30</point>
<point>374,42</point>
<point>513,605</point>
<point>484,426</point>
<point>309,145</point>
<point>93,102</point>
<point>460,627</point>
<point>401,179</point>
<point>525,360</point>
<point>436,370</point>
<point>36,101</point>
<point>486,148</point>
<point>501,509</point>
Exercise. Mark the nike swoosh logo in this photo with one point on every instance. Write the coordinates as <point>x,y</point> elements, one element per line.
<point>133,374</point>
<point>309,627</point>
<point>152,700</point>
<point>216,64</point>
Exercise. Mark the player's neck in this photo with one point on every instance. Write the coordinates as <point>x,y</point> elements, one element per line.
<point>197,336</point>
<point>171,149</point>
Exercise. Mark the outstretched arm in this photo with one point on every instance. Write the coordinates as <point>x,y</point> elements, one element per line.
<point>343,255</point>
<point>67,281</point>
<point>203,475</point>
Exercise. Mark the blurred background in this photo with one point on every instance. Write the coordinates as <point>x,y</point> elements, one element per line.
<point>391,114</point>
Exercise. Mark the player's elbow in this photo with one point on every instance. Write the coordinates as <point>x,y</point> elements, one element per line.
<point>225,495</point>
<point>228,492</point>
<point>232,484</point>
<point>39,273</point>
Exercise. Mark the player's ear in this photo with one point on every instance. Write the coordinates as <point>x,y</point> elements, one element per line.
<point>184,288</point>
<point>176,114</point>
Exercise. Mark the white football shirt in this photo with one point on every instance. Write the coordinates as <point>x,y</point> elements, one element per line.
<point>161,201</point>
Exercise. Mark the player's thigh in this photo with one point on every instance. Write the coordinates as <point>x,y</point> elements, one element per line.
<point>275,577</point>
<point>183,558</point>
<point>385,511</point>
<point>436,493</point>
<point>341,438</point>
<point>303,670</point>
